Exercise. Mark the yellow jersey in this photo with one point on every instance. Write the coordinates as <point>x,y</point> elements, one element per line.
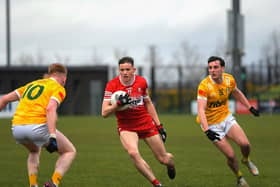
<point>34,99</point>
<point>217,97</point>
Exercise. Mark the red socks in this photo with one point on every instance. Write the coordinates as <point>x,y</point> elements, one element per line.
<point>155,182</point>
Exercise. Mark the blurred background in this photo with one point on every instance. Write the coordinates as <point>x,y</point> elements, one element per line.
<point>169,40</point>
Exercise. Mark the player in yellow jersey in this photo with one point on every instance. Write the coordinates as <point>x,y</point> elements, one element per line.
<point>217,121</point>
<point>34,122</point>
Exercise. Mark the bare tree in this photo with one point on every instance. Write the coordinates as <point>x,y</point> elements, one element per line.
<point>95,57</point>
<point>119,53</point>
<point>222,51</point>
<point>271,52</point>
<point>272,45</point>
<point>40,58</point>
<point>25,59</point>
<point>62,59</point>
<point>187,58</point>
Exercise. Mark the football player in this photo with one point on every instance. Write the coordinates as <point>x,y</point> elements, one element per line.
<point>138,121</point>
<point>217,122</point>
<point>34,122</point>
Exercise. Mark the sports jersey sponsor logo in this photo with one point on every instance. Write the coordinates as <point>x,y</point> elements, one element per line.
<point>137,101</point>
<point>217,104</point>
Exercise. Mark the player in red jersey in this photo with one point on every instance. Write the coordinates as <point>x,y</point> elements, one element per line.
<point>138,121</point>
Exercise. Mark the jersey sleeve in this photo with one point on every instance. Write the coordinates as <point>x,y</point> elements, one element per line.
<point>20,91</point>
<point>59,95</point>
<point>233,83</point>
<point>145,89</point>
<point>108,91</point>
<point>202,91</point>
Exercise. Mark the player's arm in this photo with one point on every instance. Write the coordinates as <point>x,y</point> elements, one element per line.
<point>238,95</point>
<point>10,97</point>
<point>52,116</point>
<point>108,108</point>
<point>201,107</point>
<point>151,110</point>
<point>51,121</point>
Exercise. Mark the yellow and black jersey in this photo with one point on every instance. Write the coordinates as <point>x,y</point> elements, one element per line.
<point>217,97</point>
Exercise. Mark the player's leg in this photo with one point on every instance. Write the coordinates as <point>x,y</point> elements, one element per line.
<point>33,163</point>
<point>130,141</point>
<point>67,153</point>
<point>239,137</point>
<point>237,134</point>
<point>30,136</point>
<point>224,146</point>
<point>157,146</point>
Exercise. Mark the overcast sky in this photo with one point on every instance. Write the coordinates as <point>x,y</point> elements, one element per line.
<point>78,29</point>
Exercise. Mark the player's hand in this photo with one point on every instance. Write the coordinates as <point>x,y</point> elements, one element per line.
<point>212,135</point>
<point>52,146</point>
<point>124,100</point>
<point>162,132</point>
<point>254,111</point>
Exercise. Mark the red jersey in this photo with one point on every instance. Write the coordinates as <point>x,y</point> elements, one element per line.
<point>136,117</point>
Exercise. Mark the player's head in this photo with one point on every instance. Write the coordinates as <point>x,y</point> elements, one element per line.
<point>59,72</point>
<point>126,59</point>
<point>126,69</point>
<point>216,58</point>
<point>216,66</point>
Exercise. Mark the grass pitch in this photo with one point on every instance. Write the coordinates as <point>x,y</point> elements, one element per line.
<point>102,162</point>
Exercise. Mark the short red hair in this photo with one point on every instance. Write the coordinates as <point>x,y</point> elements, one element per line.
<point>57,68</point>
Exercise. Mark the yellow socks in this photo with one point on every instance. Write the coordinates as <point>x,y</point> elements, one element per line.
<point>56,178</point>
<point>33,180</point>
<point>239,174</point>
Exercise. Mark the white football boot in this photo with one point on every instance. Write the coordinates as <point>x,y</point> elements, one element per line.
<point>241,182</point>
<point>251,166</point>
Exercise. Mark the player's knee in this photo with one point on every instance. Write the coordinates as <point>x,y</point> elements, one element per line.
<point>71,153</point>
<point>165,159</point>
<point>162,159</point>
<point>133,154</point>
<point>74,152</point>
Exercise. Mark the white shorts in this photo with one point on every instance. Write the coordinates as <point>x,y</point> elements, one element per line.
<point>37,134</point>
<point>223,127</point>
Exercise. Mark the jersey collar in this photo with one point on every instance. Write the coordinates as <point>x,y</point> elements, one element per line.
<point>214,82</point>
<point>53,79</point>
<point>127,84</point>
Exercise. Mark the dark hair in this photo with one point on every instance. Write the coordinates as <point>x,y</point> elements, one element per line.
<point>126,59</point>
<point>214,58</point>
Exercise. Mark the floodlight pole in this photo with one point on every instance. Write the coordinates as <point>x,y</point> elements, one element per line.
<point>237,47</point>
<point>153,73</point>
<point>8,35</point>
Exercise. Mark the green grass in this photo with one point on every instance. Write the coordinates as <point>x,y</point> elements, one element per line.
<point>102,162</point>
